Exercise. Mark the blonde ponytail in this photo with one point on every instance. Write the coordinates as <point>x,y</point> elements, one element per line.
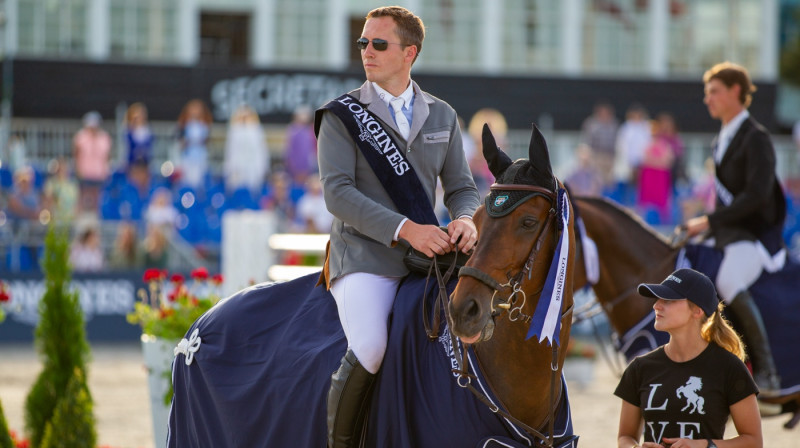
<point>718,330</point>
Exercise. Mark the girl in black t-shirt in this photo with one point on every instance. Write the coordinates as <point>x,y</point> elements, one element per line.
<point>680,395</point>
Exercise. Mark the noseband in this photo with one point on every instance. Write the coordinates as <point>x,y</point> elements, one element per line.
<point>515,283</point>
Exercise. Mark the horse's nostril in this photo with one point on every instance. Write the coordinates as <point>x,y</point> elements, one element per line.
<point>473,310</point>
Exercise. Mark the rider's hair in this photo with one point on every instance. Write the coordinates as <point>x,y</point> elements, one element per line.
<point>410,28</point>
<point>732,74</point>
<point>718,330</point>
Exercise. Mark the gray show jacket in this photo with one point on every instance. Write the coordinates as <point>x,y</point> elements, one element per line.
<point>365,218</point>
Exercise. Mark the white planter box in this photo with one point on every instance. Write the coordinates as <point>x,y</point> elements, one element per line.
<point>158,356</point>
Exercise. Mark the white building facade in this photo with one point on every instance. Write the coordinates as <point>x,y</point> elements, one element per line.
<point>654,39</point>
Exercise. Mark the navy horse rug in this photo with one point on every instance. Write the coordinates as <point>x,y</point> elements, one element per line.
<point>255,370</point>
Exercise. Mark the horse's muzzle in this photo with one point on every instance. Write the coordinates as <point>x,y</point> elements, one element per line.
<point>470,322</point>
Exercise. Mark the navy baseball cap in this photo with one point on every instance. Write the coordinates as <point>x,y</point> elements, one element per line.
<point>685,284</point>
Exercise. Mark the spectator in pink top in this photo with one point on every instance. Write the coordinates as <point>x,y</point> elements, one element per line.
<point>92,150</point>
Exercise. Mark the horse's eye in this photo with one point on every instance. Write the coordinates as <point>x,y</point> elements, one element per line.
<point>529,222</point>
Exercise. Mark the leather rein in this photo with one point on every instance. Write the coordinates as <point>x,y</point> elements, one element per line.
<point>498,303</point>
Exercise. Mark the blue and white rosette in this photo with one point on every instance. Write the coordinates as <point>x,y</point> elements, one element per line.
<point>546,321</point>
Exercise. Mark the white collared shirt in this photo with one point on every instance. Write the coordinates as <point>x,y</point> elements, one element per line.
<point>727,133</point>
<point>407,96</point>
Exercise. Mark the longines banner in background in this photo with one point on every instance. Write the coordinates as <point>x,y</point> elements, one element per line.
<point>105,299</point>
<point>63,89</point>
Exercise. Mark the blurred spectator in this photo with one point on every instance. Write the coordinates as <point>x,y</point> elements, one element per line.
<point>599,131</point>
<point>24,201</point>
<point>668,132</point>
<point>161,212</point>
<point>585,180</point>
<point>61,192</point>
<point>796,135</point>
<point>704,194</point>
<point>311,208</point>
<point>246,153</point>
<point>281,202</point>
<point>194,129</point>
<point>655,184</point>
<point>633,138</point>
<point>140,140</point>
<point>300,158</point>
<point>477,164</point>
<point>86,255</point>
<point>125,252</point>
<point>467,142</point>
<point>17,153</point>
<point>154,249</point>
<point>92,149</point>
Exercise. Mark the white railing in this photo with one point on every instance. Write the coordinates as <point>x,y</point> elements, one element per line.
<point>46,139</point>
<point>43,140</point>
<point>303,243</point>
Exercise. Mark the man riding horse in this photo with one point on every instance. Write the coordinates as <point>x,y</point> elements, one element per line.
<point>750,208</point>
<point>382,148</point>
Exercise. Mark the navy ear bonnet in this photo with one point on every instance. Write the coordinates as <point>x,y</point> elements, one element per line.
<point>501,202</point>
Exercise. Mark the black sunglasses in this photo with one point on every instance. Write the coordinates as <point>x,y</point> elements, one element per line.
<point>377,44</point>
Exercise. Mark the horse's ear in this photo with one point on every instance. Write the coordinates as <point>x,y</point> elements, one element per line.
<point>497,160</point>
<point>538,153</point>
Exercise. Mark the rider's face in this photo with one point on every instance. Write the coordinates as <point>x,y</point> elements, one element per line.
<point>388,68</point>
<point>722,101</point>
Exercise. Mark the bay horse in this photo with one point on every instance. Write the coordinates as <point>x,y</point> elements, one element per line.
<point>507,271</point>
<point>254,371</point>
<point>631,252</point>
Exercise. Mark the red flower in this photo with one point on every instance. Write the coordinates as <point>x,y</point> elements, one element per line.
<point>195,302</point>
<point>4,297</point>
<point>176,278</point>
<point>200,273</point>
<point>217,279</point>
<point>173,296</point>
<point>166,312</point>
<point>154,275</point>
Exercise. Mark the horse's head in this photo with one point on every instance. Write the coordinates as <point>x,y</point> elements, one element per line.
<point>518,228</point>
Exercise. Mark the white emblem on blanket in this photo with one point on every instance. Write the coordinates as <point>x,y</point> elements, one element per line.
<point>447,344</point>
<point>189,346</point>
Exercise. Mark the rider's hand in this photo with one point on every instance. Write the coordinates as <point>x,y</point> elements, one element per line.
<point>428,239</point>
<point>463,234</point>
<point>696,226</point>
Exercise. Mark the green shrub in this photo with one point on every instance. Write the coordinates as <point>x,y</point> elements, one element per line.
<point>72,425</point>
<point>5,436</point>
<point>60,340</point>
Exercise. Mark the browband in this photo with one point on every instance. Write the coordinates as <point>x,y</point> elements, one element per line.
<point>522,187</point>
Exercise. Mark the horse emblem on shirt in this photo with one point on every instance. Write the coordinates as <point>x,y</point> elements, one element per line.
<point>689,391</point>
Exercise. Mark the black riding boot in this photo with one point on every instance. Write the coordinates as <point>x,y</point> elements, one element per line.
<point>348,402</point>
<point>757,345</point>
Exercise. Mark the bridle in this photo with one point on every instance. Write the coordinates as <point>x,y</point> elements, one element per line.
<point>514,314</point>
<point>515,283</point>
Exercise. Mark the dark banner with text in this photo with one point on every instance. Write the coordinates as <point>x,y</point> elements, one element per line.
<point>106,299</point>
<point>63,89</point>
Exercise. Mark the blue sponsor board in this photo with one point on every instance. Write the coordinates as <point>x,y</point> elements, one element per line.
<point>106,299</point>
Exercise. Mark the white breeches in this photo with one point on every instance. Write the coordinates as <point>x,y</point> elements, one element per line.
<point>741,266</point>
<point>364,302</point>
